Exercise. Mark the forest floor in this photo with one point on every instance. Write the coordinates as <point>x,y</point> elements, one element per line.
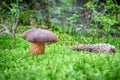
<point>58,62</point>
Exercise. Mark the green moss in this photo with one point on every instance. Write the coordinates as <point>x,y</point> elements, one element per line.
<point>58,61</point>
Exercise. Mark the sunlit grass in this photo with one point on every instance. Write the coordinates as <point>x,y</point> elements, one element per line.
<point>58,62</point>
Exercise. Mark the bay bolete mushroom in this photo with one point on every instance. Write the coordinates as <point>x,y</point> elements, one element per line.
<point>38,37</point>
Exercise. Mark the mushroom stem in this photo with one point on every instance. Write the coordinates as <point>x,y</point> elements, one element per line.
<point>37,48</point>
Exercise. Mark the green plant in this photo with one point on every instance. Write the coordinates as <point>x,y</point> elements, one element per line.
<point>59,61</point>
<point>72,20</point>
<point>25,17</point>
<point>12,22</point>
<point>105,14</point>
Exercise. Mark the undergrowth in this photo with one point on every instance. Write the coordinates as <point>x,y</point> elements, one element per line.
<point>58,62</point>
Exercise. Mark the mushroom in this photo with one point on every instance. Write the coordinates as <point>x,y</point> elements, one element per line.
<point>38,37</point>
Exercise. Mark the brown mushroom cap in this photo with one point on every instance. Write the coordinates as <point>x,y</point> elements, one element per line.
<point>39,36</point>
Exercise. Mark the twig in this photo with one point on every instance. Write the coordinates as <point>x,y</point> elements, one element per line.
<point>14,26</point>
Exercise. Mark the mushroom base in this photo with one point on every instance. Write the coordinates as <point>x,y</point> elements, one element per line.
<point>37,48</point>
